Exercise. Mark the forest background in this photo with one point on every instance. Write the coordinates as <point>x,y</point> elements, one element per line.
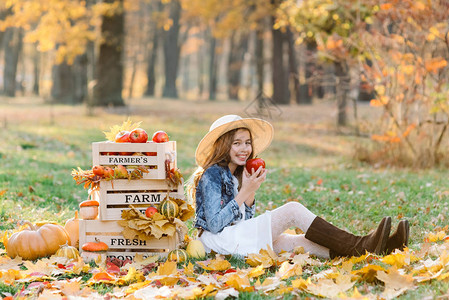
<point>356,90</point>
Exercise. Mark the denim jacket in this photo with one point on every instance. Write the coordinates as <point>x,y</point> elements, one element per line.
<point>216,207</point>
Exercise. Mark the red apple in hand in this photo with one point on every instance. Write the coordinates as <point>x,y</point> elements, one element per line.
<point>160,137</point>
<point>138,135</point>
<point>150,211</point>
<point>254,163</point>
<point>122,137</point>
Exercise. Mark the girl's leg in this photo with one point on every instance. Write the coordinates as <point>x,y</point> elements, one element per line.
<point>294,214</point>
<point>289,215</point>
<point>288,242</point>
<point>339,242</point>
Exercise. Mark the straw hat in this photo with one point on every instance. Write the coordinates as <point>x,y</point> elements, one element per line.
<point>261,131</point>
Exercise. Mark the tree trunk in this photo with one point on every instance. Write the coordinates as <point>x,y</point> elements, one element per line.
<point>13,48</point>
<point>213,66</point>
<point>63,85</point>
<point>151,77</point>
<point>152,53</point>
<point>280,81</point>
<point>172,51</point>
<point>108,90</point>
<point>239,46</point>
<point>201,54</point>
<point>310,65</point>
<point>3,15</point>
<point>341,71</point>
<point>260,61</point>
<point>293,66</point>
<point>80,77</point>
<point>36,71</point>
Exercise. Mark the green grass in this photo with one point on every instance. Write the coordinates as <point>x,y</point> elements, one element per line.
<point>37,154</point>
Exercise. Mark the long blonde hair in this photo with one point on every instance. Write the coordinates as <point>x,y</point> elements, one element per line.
<point>219,155</point>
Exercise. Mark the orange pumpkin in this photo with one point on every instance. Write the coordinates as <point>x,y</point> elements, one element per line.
<point>72,226</point>
<point>94,251</point>
<point>95,246</point>
<point>36,242</point>
<point>89,209</point>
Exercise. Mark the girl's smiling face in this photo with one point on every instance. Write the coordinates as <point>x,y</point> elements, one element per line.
<point>241,149</point>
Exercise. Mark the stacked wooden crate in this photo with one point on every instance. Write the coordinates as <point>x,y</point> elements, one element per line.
<point>117,195</point>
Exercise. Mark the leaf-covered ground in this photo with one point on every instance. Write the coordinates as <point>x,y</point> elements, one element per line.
<point>307,162</point>
<point>264,274</point>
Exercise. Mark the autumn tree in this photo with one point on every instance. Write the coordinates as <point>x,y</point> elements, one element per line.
<point>58,26</point>
<point>233,21</point>
<point>172,50</point>
<point>108,90</point>
<point>13,47</point>
<point>408,50</point>
<point>155,36</point>
<point>333,25</point>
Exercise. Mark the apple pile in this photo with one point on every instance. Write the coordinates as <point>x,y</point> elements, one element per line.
<point>139,135</point>
<point>119,172</point>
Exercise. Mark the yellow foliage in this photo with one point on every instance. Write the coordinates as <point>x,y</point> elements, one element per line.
<point>434,64</point>
<point>434,237</point>
<point>127,125</point>
<point>218,264</point>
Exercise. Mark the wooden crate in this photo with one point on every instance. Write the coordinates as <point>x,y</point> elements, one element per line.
<point>108,154</point>
<point>117,195</point>
<point>109,232</point>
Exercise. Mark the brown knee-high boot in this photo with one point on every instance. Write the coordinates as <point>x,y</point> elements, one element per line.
<point>399,239</point>
<point>342,243</point>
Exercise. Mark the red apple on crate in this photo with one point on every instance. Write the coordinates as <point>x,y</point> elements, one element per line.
<point>108,172</point>
<point>122,137</point>
<point>160,137</point>
<point>254,163</point>
<point>150,211</point>
<point>138,135</point>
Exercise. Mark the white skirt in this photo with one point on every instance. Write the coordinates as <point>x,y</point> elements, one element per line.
<point>243,238</point>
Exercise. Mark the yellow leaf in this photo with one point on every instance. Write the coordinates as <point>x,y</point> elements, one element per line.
<point>131,277</point>
<point>434,64</point>
<point>435,237</point>
<point>239,282</point>
<point>71,288</point>
<point>218,264</point>
<point>256,272</point>
<point>136,286</point>
<point>10,276</point>
<point>167,268</point>
<point>288,270</point>
<point>368,273</point>
<point>395,283</point>
<point>301,283</point>
<point>189,269</point>
<point>126,125</point>
<point>396,259</point>
<point>6,263</point>
<point>325,287</point>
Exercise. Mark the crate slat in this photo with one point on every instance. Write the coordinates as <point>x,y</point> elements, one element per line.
<point>154,160</point>
<point>109,232</point>
<point>117,195</point>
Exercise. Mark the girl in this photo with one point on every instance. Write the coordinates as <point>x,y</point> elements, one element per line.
<point>224,192</point>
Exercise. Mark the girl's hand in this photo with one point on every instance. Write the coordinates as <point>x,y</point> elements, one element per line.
<point>252,182</point>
